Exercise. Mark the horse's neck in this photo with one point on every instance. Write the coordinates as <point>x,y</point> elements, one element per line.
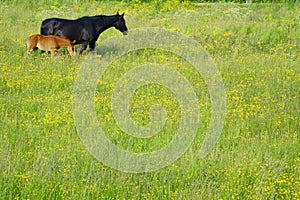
<point>105,22</point>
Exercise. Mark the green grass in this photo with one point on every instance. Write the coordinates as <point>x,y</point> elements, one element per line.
<point>255,48</point>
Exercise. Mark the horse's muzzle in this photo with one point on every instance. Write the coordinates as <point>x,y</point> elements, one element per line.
<point>125,32</point>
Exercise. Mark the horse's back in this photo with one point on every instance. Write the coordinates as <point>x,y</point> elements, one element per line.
<point>68,28</point>
<point>49,25</point>
<point>54,20</point>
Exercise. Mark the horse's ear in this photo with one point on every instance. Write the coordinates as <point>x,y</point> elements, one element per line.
<point>122,14</point>
<point>118,13</point>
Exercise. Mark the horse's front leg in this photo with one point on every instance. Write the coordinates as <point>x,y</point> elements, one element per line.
<point>83,47</point>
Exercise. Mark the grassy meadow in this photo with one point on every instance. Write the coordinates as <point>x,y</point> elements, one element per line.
<point>256,48</point>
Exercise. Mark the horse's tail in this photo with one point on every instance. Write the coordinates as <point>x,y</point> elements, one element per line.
<point>43,28</point>
<point>47,27</point>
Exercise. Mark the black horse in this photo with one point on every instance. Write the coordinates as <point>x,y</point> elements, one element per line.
<point>85,30</point>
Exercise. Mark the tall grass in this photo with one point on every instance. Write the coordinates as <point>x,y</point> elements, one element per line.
<point>256,50</point>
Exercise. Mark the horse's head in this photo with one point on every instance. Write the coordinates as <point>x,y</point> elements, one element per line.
<point>120,24</point>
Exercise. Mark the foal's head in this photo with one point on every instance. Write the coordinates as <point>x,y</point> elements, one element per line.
<point>71,48</point>
<point>120,24</point>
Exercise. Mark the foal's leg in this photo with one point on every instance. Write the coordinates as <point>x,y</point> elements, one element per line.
<point>52,52</point>
<point>83,47</point>
<point>30,46</point>
<point>27,51</point>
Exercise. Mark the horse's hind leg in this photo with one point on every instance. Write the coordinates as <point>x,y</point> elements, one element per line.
<point>92,46</point>
<point>83,47</point>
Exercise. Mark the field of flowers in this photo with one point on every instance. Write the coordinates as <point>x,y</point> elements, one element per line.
<point>256,48</point>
